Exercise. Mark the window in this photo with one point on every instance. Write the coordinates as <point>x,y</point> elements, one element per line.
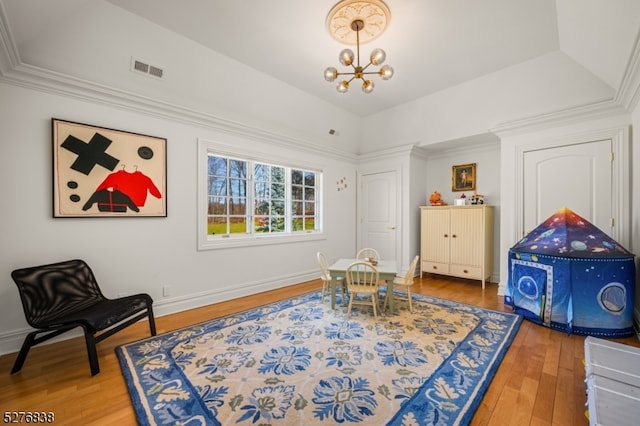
<point>269,190</point>
<point>303,200</point>
<point>248,201</point>
<point>227,196</point>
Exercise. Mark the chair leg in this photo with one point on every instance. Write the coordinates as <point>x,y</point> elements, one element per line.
<point>350,304</point>
<point>92,352</point>
<point>385,302</point>
<point>374,303</point>
<point>409,298</point>
<point>24,351</point>
<point>152,321</point>
<point>345,293</point>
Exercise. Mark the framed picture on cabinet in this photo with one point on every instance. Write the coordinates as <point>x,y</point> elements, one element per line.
<point>101,172</point>
<point>463,177</point>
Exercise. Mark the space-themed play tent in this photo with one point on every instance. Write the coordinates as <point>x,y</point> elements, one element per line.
<point>569,275</point>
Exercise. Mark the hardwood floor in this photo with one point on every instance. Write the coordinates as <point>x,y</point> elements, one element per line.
<point>539,382</point>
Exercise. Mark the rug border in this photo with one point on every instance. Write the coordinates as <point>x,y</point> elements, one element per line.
<point>490,373</point>
<point>124,360</point>
<point>472,402</point>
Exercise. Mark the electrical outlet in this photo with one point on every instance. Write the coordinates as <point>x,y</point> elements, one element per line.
<point>166,290</point>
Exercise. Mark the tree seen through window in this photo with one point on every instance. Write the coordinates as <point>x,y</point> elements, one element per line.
<point>282,199</point>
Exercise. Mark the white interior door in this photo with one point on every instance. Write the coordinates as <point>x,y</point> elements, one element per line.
<point>378,213</point>
<point>577,176</point>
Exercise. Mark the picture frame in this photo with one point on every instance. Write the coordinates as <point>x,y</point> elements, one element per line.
<point>103,172</point>
<point>463,177</point>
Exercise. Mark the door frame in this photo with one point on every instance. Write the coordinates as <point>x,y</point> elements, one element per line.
<point>620,179</point>
<point>376,169</point>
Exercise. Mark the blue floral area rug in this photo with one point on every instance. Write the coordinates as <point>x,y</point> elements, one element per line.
<point>298,362</point>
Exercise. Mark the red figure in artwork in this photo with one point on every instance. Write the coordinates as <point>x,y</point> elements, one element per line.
<point>136,185</point>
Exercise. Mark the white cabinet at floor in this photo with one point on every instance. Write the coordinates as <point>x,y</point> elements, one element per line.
<point>457,241</point>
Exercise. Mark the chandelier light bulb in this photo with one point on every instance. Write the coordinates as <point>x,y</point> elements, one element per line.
<point>378,56</point>
<point>386,72</point>
<point>346,57</point>
<point>343,86</point>
<point>330,74</point>
<point>367,86</point>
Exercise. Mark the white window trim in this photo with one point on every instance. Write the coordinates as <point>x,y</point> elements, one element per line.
<point>205,242</point>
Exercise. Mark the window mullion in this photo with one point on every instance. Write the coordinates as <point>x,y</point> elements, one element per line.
<point>228,197</point>
<point>288,213</point>
<point>251,191</point>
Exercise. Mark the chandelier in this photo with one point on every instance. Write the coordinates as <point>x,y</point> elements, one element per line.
<point>359,21</point>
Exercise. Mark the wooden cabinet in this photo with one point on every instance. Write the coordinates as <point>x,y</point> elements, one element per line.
<point>457,241</point>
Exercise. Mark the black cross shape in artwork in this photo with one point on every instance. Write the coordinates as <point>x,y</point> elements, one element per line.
<point>90,154</point>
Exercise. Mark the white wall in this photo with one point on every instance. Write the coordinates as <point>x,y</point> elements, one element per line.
<point>554,82</point>
<point>487,159</point>
<point>143,254</point>
<point>196,81</point>
<point>418,185</point>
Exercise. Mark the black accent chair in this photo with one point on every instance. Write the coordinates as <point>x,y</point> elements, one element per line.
<point>61,296</point>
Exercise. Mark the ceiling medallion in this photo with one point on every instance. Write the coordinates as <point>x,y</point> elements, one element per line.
<point>355,22</point>
<point>373,13</point>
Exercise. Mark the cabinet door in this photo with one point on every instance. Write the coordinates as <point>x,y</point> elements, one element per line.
<point>467,236</point>
<point>435,235</point>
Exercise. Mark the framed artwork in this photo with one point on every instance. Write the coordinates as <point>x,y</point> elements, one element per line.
<point>101,172</point>
<point>463,177</point>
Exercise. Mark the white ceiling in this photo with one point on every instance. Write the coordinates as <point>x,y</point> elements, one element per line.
<point>433,45</point>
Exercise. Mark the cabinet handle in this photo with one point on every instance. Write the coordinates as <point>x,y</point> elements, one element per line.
<point>435,267</point>
<point>446,235</point>
<point>454,236</point>
<point>465,271</point>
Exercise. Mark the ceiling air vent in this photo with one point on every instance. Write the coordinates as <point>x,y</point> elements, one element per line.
<point>155,71</point>
<point>139,66</point>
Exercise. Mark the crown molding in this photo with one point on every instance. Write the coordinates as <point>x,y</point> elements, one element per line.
<point>9,57</point>
<point>468,144</point>
<point>592,111</point>
<point>388,153</point>
<point>14,72</point>
<point>625,100</point>
<point>628,94</point>
<point>47,81</point>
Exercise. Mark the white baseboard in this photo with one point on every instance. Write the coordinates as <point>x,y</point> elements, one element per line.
<point>11,341</point>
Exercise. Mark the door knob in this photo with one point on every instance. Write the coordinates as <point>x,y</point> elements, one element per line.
<point>393,228</point>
